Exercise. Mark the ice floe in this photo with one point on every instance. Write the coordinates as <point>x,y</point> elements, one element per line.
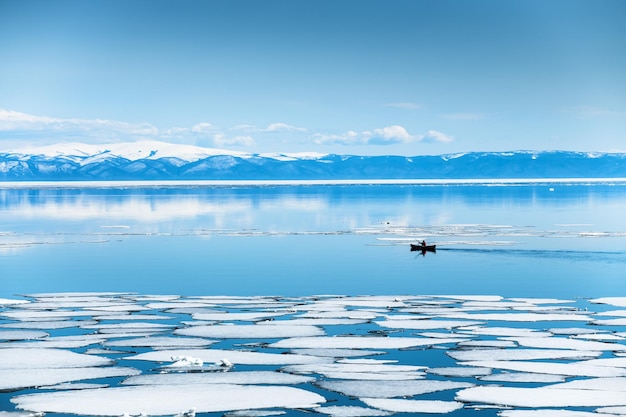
<point>361,342</point>
<point>168,399</point>
<point>20,378</point>
<point>239,378</point>
<point>541,397</point>
<point>235,356</point>
<point>390,389</point>
<point>268,331</point>
<point>413,406</point>
<point>375,354</point>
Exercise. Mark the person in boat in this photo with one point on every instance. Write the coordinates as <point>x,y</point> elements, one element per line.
<point>423,243</point>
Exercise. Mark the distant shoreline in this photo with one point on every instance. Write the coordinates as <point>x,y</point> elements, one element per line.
<point>260,183</point>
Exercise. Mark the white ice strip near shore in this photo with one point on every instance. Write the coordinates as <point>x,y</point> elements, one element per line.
<point>390,389</point>
<point>361,342</point>
<point>168,399</point>
<point>239,378</point>
<point>268,331</point>
<point>541,397</point>
<point>13,379</point>
<point>234,356</point>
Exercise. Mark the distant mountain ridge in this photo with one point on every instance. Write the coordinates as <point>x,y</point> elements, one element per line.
<point>165,161</point>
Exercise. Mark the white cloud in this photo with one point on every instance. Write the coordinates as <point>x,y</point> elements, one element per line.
<point>275,127</point>
<point>590,112</point>
<point>390,135</point>
<point>202,128</point>
<point>11,121</point>
<point>436,136</point>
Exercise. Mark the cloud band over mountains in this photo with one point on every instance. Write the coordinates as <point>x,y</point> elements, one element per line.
<point>18,129</point>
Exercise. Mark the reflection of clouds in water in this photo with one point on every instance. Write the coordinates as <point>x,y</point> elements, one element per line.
<point>132,208</point>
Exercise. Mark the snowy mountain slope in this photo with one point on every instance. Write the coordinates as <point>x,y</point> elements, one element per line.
<point>164,161</point>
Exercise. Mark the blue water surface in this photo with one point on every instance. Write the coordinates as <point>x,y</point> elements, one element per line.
<point>538,240</point>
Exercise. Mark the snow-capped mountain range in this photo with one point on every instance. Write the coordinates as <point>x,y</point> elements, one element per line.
<point>166,161</point>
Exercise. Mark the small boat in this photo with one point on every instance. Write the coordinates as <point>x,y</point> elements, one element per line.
<point>423,248</point>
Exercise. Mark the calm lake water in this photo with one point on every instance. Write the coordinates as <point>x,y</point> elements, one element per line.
<point>541,240</point>
<point>512,296</point>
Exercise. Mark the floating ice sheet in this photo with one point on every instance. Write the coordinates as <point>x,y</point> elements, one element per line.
<point>6,335</point>
<point>520,354</point>
<point>361,342</point>
<point>36,358</point>
<point>351,411</point>
<point>569,369</point>
<point>523,377</point>
<point>160,342</point>
<point>268,331</point>
<point>601,384</point>
<point>427,324</point>
<point>547,413</point>
<point>229,317</point>
<point>234,356</point>
<point>239,378</point>
<point>566,343</point>
<point>26,378</point>
<point>390,389</point>
<point>541,397</point>
<point>413,406</point>
<point>337,353</point>
<point>168,400</point>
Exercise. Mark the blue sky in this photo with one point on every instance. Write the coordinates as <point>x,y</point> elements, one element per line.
<point>351,77</point>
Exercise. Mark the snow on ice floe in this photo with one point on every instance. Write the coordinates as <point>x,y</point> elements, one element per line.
<point>47,325</point>
<point>541,397</point>
<point>459,371</point>
<point>390,389</point>
<point>599,384</point>
<point>268,331</point>
<point>504,331</point>
<point>614,301</point>
<point>337,353</point>
<point>413,406</point>
<point>245,316</point>
<point>148,400</point>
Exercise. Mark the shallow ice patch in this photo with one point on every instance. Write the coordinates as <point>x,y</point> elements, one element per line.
<point>168,400</point>
<point>390,389</point>
<point>541,397</point>
<point>267,331</point>
<point>413,406</point>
